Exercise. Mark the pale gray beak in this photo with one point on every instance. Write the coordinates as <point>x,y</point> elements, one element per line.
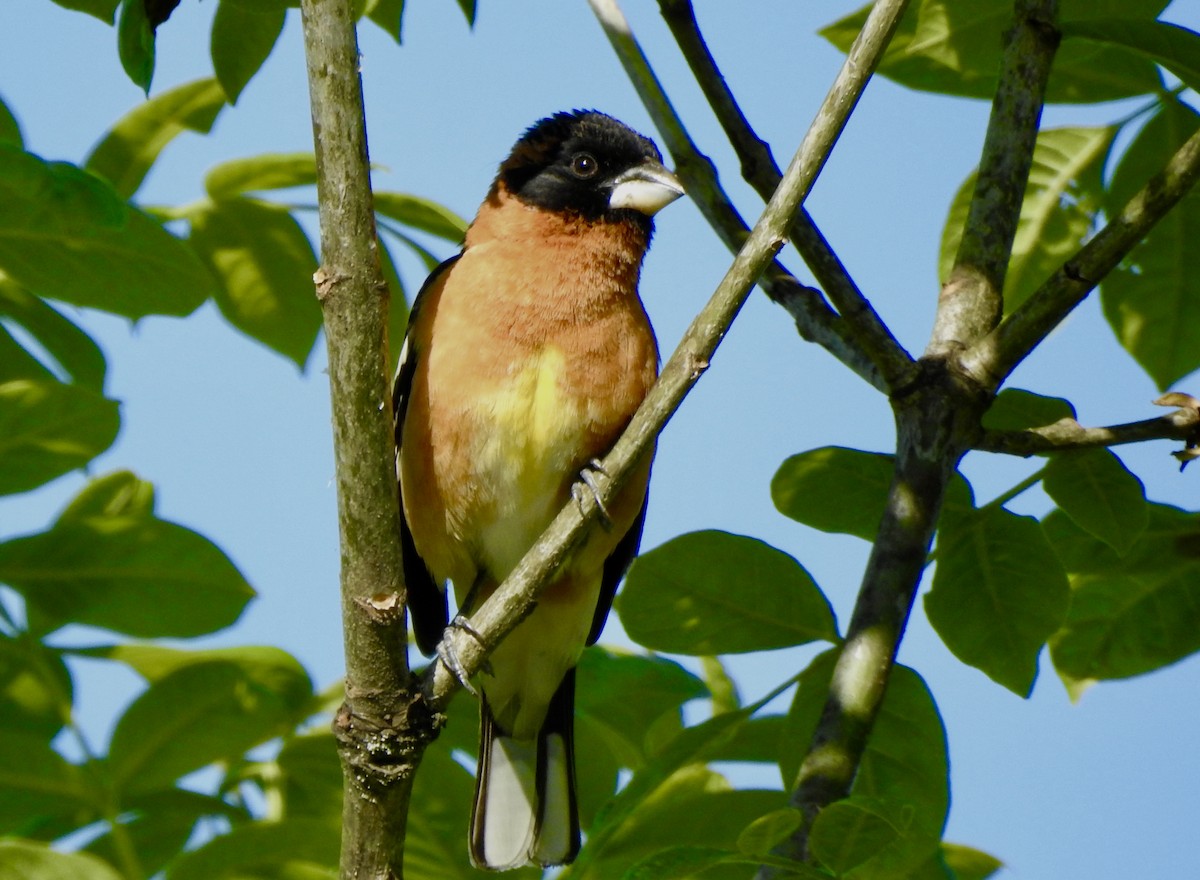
<point>647,188</point>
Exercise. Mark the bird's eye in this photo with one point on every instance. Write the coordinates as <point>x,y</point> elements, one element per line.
<point>584,165</point>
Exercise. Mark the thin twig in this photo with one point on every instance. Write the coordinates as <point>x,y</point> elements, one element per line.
<point>1064,434</point>
<point>761,172</point>
<point>515,597</point>
<point>996,355</point>
<point>380,729</point>
<point>815,320</point>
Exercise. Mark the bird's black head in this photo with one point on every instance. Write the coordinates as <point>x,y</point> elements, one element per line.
<point>588,163</point>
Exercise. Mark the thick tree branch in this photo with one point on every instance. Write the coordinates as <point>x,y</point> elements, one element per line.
<point>937,421</point>
<point>516,596</point>
<point>996,355</point>
<point>380,727</point>
<point>815,320</point>
<point>972,297</point>
<point>760,171</point>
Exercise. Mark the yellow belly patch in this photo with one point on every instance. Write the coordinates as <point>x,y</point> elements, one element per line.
<point>534,444</point>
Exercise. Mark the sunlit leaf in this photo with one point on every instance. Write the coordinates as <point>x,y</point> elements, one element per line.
<point>133,574</point>
<point>130,148</point>
<point>264,264</point>
<point>119,493</point>
<point>36,691</point>
<point>999,591</point>
<point>389,15</point>
<point>1175,48</point>
<point>845,490</point>
<point>1095,489</point>
<point>423,214</point>
<point>201,713</point>
<point>48,429</point>
<point>65,235</point>
<point>1129,614</point>
<point>105,10</point>
<point>969,863</point>
<point>242,39</point>
<point>850,833</point>
<point>712,592</point>
<point>1152,300</point>
<point>73,351</point>
<point>767,831</point>
<point>263,172</point>
<point>1015,409</point>
<point>25,860</point>
<point>260,845</point>
<point>1061,200</point>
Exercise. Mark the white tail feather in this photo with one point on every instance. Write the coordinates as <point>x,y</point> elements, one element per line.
<point>555,837</point>
<point>508,804</point>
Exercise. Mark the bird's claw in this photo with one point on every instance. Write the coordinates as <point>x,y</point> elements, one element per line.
<point>449,656</point>
<point>588,482</point>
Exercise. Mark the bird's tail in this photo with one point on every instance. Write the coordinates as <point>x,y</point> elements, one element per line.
<point>525,809</point>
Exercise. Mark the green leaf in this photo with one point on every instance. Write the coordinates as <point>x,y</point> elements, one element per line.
<point>201,713</point>
<point>968,863</point>
<point>130,148</point>
<point>119,493</point>
<point>264,172</point>
<point>955,49</point>
<point>312,776</point>
<point>713,863</point>
<point>423,214</point>
<point>260,845</point>
<point>10,129</point>
<point>608,677</point>
<point>905,763</point>
<point>1175,48</point>
<point>266,663</point>
<point>999,591</point>
<point>1015,409</point>
<point>844,490</point>
<point>159,826</point>
<point>389,15</point>
<point>48,429</point>
<point>135,43</point>
<point>74,353</point>
<point>242,40</point>
<point>264,263</point>
<point>36,782</point>
<point>1061,199</point>
<point>66,235</point>
<point>758,740</point>
<point>105,10</point>
<point>694,806</point>
<point>1095,489</point>
<point>712,592</point>
<point>720,684</point>
<point>768,831</point>
<point>35,688</point>
<point>1152,300</point>
<point>136,575</point>
<point>468,8</point>
<point>24,860</point>
<point>850,833</point>
<point>1129,614</point>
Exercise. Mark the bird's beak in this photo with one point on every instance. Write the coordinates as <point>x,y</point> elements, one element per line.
<point>647,188</point>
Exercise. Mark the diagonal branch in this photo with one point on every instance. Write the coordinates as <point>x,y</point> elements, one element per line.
<point>760,171</point>
<point>815,320</point>
<point>515,597</point>
<point>997,354</point>
<point>972,297</point>
<point>380,736</point>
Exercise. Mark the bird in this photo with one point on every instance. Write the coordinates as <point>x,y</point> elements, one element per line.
<point>525,357</point>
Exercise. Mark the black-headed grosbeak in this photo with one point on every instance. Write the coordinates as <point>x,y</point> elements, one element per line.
<point>525,357</point>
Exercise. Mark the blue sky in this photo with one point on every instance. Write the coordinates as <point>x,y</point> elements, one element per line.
<point>238,442</point>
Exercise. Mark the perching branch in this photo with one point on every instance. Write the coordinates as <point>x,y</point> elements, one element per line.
<point>760,171</point>
<point>515,597</point>
<point>993,357</point>
<point>815,320</point>
<point>380,729</point>
<point>937,420</point>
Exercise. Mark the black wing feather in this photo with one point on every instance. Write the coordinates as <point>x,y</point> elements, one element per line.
<point>427,602</point>
<point>615,566</point>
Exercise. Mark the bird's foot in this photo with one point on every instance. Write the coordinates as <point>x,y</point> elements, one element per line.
<point>450,658</point>
<point>588,483</point>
